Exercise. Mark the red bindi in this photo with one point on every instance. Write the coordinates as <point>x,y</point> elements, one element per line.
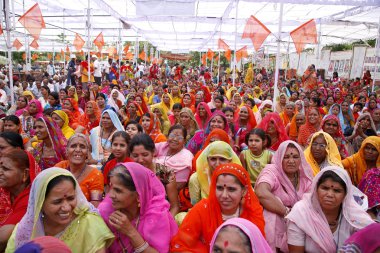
<point>225,244</point>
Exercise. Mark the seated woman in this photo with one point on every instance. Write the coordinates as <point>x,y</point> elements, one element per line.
<point>187,120</point>
<point>365,159</point>
<point>62,120</point>
<point>18,170</point>
<point>174,155</point>
<point>18,108</point>
<point>90,119</point>
<point>71,107</point>
<point>231,196</point>
<point>188,101</point>
<point>369,185</point>
<point>132,128</point>
<point>136,211</point>
<point>273,126</point>
<point>52,148</point>
<point>326,216</point>
<point>151,125</point>
<point>163,117</point>
<point>331,125</point>
<point>116,99</point>
<point>239,235</point>
<point>100,136</point>
<point>288,113</point>
<point>312,125</point>
<point>322,152</point>
<point>12,123</point>
<point>244,121</point>
<point>365,240</point>
<point>30,114</point>
<point>218,152</point>
<point>141,150</point>
<point>279,186</point>
<point>56,189</point>
<point>202,115</point>
<point>132,111</point>
<point>89,178</point>
<point>293,130</point>
<point>363,128</point>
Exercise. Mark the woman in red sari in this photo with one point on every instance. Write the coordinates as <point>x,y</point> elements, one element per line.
<point>70,106</point>
<point>151,125</point>
<point>274,127</point>
<point>90,118</point>
<point>244,121</point>
<point>188,100</point>
<point>198,227</point>
<point>312,125</point>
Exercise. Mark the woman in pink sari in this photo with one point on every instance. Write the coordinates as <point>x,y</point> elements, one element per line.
<point>136,211</point>
<point>327,216</point>
<point>202,115</point>
<point>279,186</point>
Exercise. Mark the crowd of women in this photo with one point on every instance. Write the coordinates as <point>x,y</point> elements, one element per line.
<point>183,164</point>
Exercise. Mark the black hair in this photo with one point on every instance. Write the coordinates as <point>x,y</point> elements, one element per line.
<point>245,239</point>
<point>221,98</point>
<point>147,114</point>
<point>55,95</point>
<point>252,101</point>
<point>227,109</point>
<point>64,89</point>
<point>221,91</point>
<point>142,139</point>
<point>13,139</point>
<point>359,104</point>
<point>334,177</point>
<point>101,95</point>
<point>48,111</point>
<point>178,126</point>
<point>123,135</point>
<point>46,88</point>
<point>12,118</point>
<point>133,122</point>
<point>58,179</point>
<point>177,106</point>
<point>317,101</point>
<point>121,172</point>
<point>261,133</point>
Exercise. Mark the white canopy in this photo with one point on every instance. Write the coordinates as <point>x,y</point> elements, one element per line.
<point>196,25</point>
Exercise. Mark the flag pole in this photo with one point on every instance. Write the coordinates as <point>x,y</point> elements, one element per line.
<point>276,93</point>
<point>119,50</point>
<point>88,42</point>
<point>234,65</point>
<point>9,48</point>
<point>377,48</point>
<point>218,67</point>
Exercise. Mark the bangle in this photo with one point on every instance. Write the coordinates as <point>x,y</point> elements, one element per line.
<point>142,247</point>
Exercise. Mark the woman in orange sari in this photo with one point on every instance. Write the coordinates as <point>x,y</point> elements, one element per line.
<point>188,100</point>
<point>288,114</point>
<point>151,125</point>
<point>198,227</point>
<point>90,118</point>
<point>312,125</point>
<point>70,106</point>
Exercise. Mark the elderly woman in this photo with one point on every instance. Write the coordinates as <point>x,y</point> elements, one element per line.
<point>89,178</point>
<point>363,128</point>
<point>71,107</point>
<point>56,189</point>
<point>151,125</point>
<point>273,126</point>
<point>365,159</point>
<point>231,196</point>
<point>136,211</point>
<point>218,152</point>
<point>17,171</point>
<point>288,113</point>
<point>116,100</point>
<point>188,121</point>
<point>174,155</point>
<point>293,130</point>
<point>326,216</point>
<point>101,136</point>
<point>52,148</point>
<point>281,103</point>
<point>322,152</point>
<point>163,117</point>
<point>312,125</point>
<point>62,120</point>
<point>19,107</point>
<point>239,235</point>
<point>331,125</point>
<point>279,186</point>
<point>203,115</point>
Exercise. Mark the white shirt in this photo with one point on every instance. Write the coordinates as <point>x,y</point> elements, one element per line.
<point>50,69</point>
<point>98,71</point>
<point>3,97</point>
<point>107,67</point>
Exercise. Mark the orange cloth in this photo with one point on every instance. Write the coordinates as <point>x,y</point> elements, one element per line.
<point>84,120</point>
<point>74,115</point>
<point>285,118</point>
<point>205,217</point>
<point>306,130</point>
<point>192,105</point>
<point>154,129</point>
<point>93,183</point>
<point>293,130</point>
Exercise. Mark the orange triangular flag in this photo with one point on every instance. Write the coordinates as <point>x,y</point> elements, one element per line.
<point>1,30</point>
<point>306,33</point>
<point>99,41</point>
<point>67,57</point>
<point>204,60</point>
<point>217,58</point>
<point>210,54</point>
<point>34,44</point>
<point>34,57</point>
<point>256,31</point>
<point>142,55</point>
<point>112,51</point>
<point>58,57</point>
<point>49,56</point>
<point>78,42</point>
<point>223,45</point>
<point>33,21</point>
<point>126,48</point>
<point>129,56</point>
<point>227,54</point>
<point>17,44</point>
<point>241,53</point>
<point>24,56</point>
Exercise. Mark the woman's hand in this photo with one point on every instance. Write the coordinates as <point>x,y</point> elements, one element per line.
<point>121,223</point>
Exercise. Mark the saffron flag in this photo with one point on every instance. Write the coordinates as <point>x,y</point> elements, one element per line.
<point>24,56</point>
<point>129,56</point>
<point>142,55</point>
<point>241,53</point>
<point>126,49</point>
<point>306,33</point>
<point>49,56</point>
<point>112,51</point>
<point>204,59</point>
<point>17,44</point>
<point>34,44</point>
<point>34,57</point>
<point>256,31</point>
<point>1,30</point>
<point>62,52</point>
<point>33,21</point>
<point>78,42</point>
<point>223,45</point>
<point>58,57</point>
<point>210,54</point>
<point>99,41</point>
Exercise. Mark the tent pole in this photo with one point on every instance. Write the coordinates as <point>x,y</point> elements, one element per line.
<point>318,48</point>
<point>218,67</point>
<point>276,74</point>
<point>119,50</point>
<point>88,42</point>
<point>377,47</point>
<point>9,48</point>
<point>234,65</point>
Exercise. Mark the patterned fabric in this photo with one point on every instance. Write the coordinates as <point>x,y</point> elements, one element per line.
<point>370,186</point>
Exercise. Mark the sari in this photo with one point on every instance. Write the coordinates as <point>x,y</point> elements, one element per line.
<point>241,132</point>
<point>306,130</point>
<point>202,123</point>
<point>154,129</point>
<point>365,240</point>
<point>155,223</point>
<point>44,244</point>
<point>199,183</point>
<point>101,148</point>
<point>193,125</point>
<point>165,108</point>
<point>58,142</point>
<point>66,130</point>
<point>164,119</point>
<point>356,165</point>
<point>256,239</point>
<point>196,143</point>
<point>332,153</point>
<point>85,119</point>
<point>338,137</point>
<point>76,235</point>
<point>274,175</point>
<point>370,186</point>
<point>308,217</point>
<point>280,129</point>
<point>192,103</point>
<point>11,213</point>
<point>370,131</point>
<point>143,105</point>
<point>74,114</point>
<point>117,104</point>
<point>200,224</point>
<point>39,112</point>
<point>293,129</point>
<point>258,115</point>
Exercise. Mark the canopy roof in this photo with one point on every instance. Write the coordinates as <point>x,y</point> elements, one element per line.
<point>181,26</point>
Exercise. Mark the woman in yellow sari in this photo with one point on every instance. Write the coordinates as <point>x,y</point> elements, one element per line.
<point>62,120</point>
<point>176,94</point>
<point>249,76</point>
<point>159,110</point>
<point>322,152</point>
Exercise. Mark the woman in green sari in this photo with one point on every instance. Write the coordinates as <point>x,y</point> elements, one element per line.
<point>57,207</point>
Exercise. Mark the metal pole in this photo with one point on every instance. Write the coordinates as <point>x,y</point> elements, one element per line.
<point>119,50</point>
<point>377,53</point>
<point>318,48</point>
<point>8,28</point>
<point>278,55</point>
<point>88,41</point>
<point>218,67</point>
<point>234,64</point>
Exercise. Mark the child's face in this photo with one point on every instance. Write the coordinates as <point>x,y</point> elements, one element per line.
<point>229,116</point>
<point>356,109</point>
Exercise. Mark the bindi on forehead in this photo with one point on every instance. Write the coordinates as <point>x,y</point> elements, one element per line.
<point>225,244</point>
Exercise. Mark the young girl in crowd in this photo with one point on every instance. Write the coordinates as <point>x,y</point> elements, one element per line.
<point>257,155</point>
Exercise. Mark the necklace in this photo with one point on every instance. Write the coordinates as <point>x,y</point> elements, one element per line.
<point>81,172</point>
<point>168,156</point>
<point>235,215</point>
